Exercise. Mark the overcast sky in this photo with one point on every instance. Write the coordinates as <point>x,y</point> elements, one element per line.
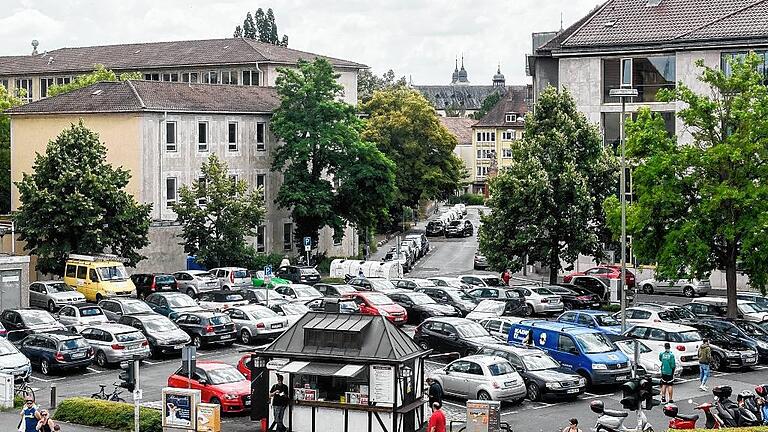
<point>417,38</point>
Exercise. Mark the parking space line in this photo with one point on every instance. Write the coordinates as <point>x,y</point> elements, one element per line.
<point>242,346</point>
<point>96,371</point>
<point>47,380</point>
<point>454,404</point>
<point>150,362</point>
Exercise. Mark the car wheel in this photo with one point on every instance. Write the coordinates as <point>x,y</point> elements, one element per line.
<point>586,377</point>
<point>215,400</point>
<point>689,292</point>
<point>468,352</point>
<point>51,306</point>
<point>245,336</point>
<point>648,289</point>
<point>534,393</point>
<point>424,345</point>
<point>529,310</point>
<point>191,293</point>
<point>101,359</point>
<point>45,367</point>
<point>717,363</point>
<point>483,395</point>
<point>197,341</point>
<point>225,288</point>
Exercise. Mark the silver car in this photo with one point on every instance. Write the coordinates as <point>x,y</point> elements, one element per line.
<point>481,377</point>
<point>193,282</point>
<point>232,277</point>
<point>117,307</point>
<point>52,295</point>
<point>76,317</point>
<point>256,322</point>
<point>688,288</point>
<point>114,343</point>
<point>298,292</point>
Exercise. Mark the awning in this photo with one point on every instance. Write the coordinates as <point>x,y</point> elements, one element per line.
<point>322,369</point>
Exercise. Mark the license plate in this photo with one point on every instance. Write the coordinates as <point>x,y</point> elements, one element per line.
<point>78,355</point>
<point>178,347</point>
<point>132,347</point>
<point>224,337</point>
<point>509,384</point>
<point>572,391</point>
<point>274,326</point>
<point>622,378</point>
<point>596,304</point>
<point>399,319</point>
<point>247,403</point>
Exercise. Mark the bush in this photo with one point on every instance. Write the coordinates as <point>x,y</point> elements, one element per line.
<point>112,415</point>
<point>610,307</point>
<point>468,199</point>
<point>259,261</point>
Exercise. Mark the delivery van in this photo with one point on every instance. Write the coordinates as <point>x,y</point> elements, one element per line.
<point>98,276</point>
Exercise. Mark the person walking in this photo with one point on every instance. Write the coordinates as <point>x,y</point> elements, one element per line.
<point>436,420</point>
<point>506,276</point>
<point>573,426</point>
<point>279,394</point>
<point>667,373</point>
<point>45,424</point>
<point>435,392</point>
<point>705,356</point>
<point>29,416</point>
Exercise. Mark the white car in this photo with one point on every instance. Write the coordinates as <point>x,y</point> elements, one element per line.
<point>499,327</point>
<point>688,288</point>
<point>298,292</point>
<point>451,282</point>
<point>193,282</point>
<point>412,283</point>
<point>748,310</point>
<point>490,309</point>
<point>76,317</point>
<point>220,300</point>
<point>647,314</point>
<point>478,280</point>
<point>649,359</point>
<point>481,377</point>
<point>255,322</point>
<point>540,300</point>
<point>232,277</point>
<point>683,340</point>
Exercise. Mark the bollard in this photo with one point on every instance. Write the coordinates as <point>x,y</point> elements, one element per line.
<point>53,395</point>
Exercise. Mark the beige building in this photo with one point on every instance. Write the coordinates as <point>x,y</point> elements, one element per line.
<point>461,128</point>
<point>162,132</point>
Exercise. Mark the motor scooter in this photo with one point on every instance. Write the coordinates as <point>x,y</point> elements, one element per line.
<point>688,421</point>
<point>748,401</point>
<point>729,412</point>
<point>762,401</point>
<point>613,420</point>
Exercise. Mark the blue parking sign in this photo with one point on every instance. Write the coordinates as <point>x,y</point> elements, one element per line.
<point>307,241</point>
<point>268,270</point>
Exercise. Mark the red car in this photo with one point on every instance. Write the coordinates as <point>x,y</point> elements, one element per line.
<point>219,383</point>
<point>605,272</point>
<point>244,366</point>
<point>375,303</point>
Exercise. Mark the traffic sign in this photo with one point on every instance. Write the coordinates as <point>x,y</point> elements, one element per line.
<point>307,244</point>
<point>138,394</point>
<point>268,270</point>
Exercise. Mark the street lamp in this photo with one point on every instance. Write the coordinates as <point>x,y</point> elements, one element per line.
<point>623,94</point>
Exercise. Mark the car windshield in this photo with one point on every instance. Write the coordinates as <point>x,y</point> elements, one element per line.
<point>378,299</point>
<point>58,287</point>
<point>502,368</point>
<point>261,312</point>
<point>606,320</point>
<point>225,375</point>
<point>180,301</point>
<point>471,330</point>
<point>684,313</point>
<point>460,295</point>
<point>513,294</point>
<point>240,273</point>
<point>539,362</point>
<point>112,273</point>
<point>752,329</point>
<point>73,344</point>
<point>159,325</point>
<point>543,291</point>
<point>136,307</point>
<point>562,291</point>
<point>128,337</point>
<point>6,347</point>
<point>382,285</point>
<point>492,306</point>
<point>306,292</point>
<point>493,281</point>
<point>34,318</point>
<point>750,308</point>
<point>421,299</point>
<point>669,315</point>
<point>294,309</point>
<point>628,347</point>
<point>594,343</point>
<point>91,311</point>
<point>454,224</point>
<point>686,336</point>
<point>345,289</point>
<point>219,320</point>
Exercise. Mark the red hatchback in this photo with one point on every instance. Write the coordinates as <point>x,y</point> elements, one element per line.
<point>375,303</point>
<point>605,272</point>
<point>244,366</point>
<point>219,383</point>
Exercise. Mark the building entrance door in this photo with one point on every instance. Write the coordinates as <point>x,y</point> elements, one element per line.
<point>10,289</point>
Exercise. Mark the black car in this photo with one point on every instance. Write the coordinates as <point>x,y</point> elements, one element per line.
<point>590,283</point>
<point>148,283</point>
<point>334,290</point>
<point>576,297</point>
<point>543,375</point>
<point>460,228</point>
<point>515,300</point>
<point>163,335</point>
<point>703,310</point>
<point>299,274</point>
<point>207,327</point>
<point>421,306</point>
<point>57,351</point>
<point>333,304</point>
<point>745,331</point>
<point>727,352</point>
<point>22,322</point>
<point>451,334</point>
<point>450,296</point>
<point>435,228</point>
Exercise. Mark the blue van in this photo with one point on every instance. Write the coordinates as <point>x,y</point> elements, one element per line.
<point>585,350</point>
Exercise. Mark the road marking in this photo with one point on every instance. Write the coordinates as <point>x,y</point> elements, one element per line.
<point>48,380</point>
<point>242,346</point>
<point>150,362</point>
<point>96,371</point>
<point>454,404</point>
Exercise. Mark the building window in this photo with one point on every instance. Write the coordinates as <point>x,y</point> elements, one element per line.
<point>261,239</point>
<point>626,72</point>
<point>250,77</point>
<point>261,183</point>
<point>190,77</point>
<point>762,66</point>
<point>482,171</point>
<point>234,178</point>
<point>170,136</point>
<point>172,77</point>
<point>612,128</point>
<point>229,77</point>
<point>63,80</point>
<point>287,236</point>
<point>232,136</point>
<point>646,74</point>
<point>24,89</point>
<point>510,117</point>
<point>202,136</point>
<point>4,83</point>
<point>202,190</point>
<point>170,191</point>
<point>486,136</point>
<point>152,76</point>
<point>508,135</point>
<point>261,129</point>
<point>45,84</point>
<point>506,152</point>
<point>485,153</point>
<point>211,77</point>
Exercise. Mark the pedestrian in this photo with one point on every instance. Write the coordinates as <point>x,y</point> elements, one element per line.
<point>573,426</point>
<point>506,276</point>
<point>667,373</point>
<point>435,392</point>
<point>45,424</point>
<point>29,416</point>
<point>436,420</point>
<point>279,394</point>
<point>705,356</point>
<point>360,273</point>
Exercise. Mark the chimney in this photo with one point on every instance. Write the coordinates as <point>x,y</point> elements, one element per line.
<point>653,3</point>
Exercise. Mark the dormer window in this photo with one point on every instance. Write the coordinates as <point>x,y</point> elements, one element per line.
<point>510,118</point>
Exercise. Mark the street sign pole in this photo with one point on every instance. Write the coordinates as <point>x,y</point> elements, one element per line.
<point>307,246</point>
<point>267,281</point>
<point>137,395</point>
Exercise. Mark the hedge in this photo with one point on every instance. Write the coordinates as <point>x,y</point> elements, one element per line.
<point>112,415</point>
<point>468,199</point>
<point>611,307</point>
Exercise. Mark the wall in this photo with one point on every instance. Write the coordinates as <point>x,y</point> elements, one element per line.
<point>546,74</point>
<point>347,78</point>
<point>14,282</point>
<point>164,253</point>
<point>582,78</point>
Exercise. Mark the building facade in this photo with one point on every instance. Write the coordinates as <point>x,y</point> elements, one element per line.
<point>461,128</point>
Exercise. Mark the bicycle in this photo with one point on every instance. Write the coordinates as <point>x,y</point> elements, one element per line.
<point>23,390</point>
<point>113,397</point>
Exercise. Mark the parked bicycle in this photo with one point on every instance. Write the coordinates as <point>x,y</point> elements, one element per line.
<point>113,397</point>
<point>23,390</point>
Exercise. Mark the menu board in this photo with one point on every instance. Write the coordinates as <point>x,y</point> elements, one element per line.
<point>483,416</point>
<point>382,384</point>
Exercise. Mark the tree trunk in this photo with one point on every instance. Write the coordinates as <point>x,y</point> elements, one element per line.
<point>554,266</point>
<point>730,282</point>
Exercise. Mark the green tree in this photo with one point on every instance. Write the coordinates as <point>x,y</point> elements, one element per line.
<point>238,32</point>
<point>547,205</point>
<point>249,27</point>
<point>216,232</point>
<point>75,202</point>
<point>331,177</point>
<point>368,83</point>
<point>99,74</point>
<point>7,101</point>
<point>454,110</point>
<point>489,102</point>
<point>703,205</point>
<point>407,130</point>
<point>261,26</point>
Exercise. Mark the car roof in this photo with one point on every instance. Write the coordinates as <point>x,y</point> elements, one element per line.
<point>648,308</point>
<point>202,313</point>
<point>592,312</point>
<point>558,326</point>
<point>112,327</point>
<point>485,359</point>
<point>50,282</point>
<point>517,349</point>
<point>84,305</point>
<point>212,364</point>
<point>60,335</point>
<point>666,326</point>
<point>450,320</point>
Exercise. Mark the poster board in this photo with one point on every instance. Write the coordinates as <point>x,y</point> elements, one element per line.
<point>208,417</point>
<point>382,384</point>
<point>179,409</point>
<point>483,416</point>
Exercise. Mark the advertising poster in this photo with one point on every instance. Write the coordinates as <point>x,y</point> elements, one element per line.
<point>382,384</point>
<point>208,418</point>
<point>180,408</point>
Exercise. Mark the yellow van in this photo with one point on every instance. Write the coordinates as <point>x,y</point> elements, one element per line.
<point>98,277</point>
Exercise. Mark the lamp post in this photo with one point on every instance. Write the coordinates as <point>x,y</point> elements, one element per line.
<point>623,94</point>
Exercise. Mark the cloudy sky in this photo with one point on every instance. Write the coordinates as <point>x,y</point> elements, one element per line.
<point>417,38</point>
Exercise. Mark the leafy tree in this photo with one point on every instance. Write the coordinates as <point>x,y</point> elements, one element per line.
<point>215,232</point>
<point>488,103</point>
<point>249,27</point>
<point>7,101</point>
<point>331,177</point>
<point>261,27</point>
<point>238,32</point>
<point>367,83</point>
<point>99,74</point>
<point>547,205</point>
<point>703,205</point>
<point>407,130</point>
<point>75,202</point>
<point>455,110</point>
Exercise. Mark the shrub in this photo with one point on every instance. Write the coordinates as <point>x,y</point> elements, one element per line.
<point>259,261</point>
<point>468,199</point>
<point>610,307</point>
<point>100,413</point>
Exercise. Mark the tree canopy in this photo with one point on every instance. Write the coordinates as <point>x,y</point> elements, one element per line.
<point>263,28</point>
<point>75,202</point>
<point>330,176</point>
<point>547,205</point>
<point>368,83</point>
<point>702,203</point>
<point>7,101</point>
<point>99,74</point>
<point>489,102</point>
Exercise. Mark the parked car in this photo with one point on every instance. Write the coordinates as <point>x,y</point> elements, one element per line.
<point>727,352</point>
<point>420,306</point>
<point>435,228</point>
<point>483,281</point>
<point>258,278</point>
<point>499,327</point>
<point>115,343</point>
<point>115,308</point>
<point>515,301</point>
<point>461,208</point>
<point>98,277</point>
<point>57,351</point>
<point>401,257</point>
<point>76,317</point>
<point>298,292</point>
<point>333,304</point>
<point>374,303</point>
<point>451,296</point>
<point>684,315</point>
<point>148,283</point>
<point>172,304</point>
<point>219,384</point>
<point>747,310</point>
<point>372,284</point>
<point>51,295</point>
<point>596,319</point>
<point>543,376</point>
<point>605,272</point>
<point>684,340</point>
<point>592,284</point>
<point>495,309</point>
<point>459,228</point>
<point>422,241</point>
<point>751,333</point>
<point>689,288</point>
<point>291,310</point>
<point>262,296</point>
<point>299,274</point>
<point>334,290</point>
<point>452,282</point>
<point>649,363</point>
<point>540,300</point>
<point>481,377</point>
<point>451,334</point>
<point>256,322</point>
<point>412,283</point>
<point>575,297</point>
<point>163,335</point>
<point>648,313</point>
<point>758,298</point>
<point>232,277</point>
<point>704,310</point>
<point>22,322</point>
<point>415,244</point>
<point>220,300</point>
<point>207,327</point>
<point>480,262</point>
<point>13,362</point>
<point>193,282</point>
<point>408,250</point>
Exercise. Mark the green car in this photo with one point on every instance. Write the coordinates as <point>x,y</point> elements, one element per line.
<point>258,280</point>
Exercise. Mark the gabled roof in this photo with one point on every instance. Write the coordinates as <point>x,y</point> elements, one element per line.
<point>152,55</point>
<point>381,340</point>
<point>515,100</point>
<point>460,127</point>
<point>156,96</point>
<point>469,97</point>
